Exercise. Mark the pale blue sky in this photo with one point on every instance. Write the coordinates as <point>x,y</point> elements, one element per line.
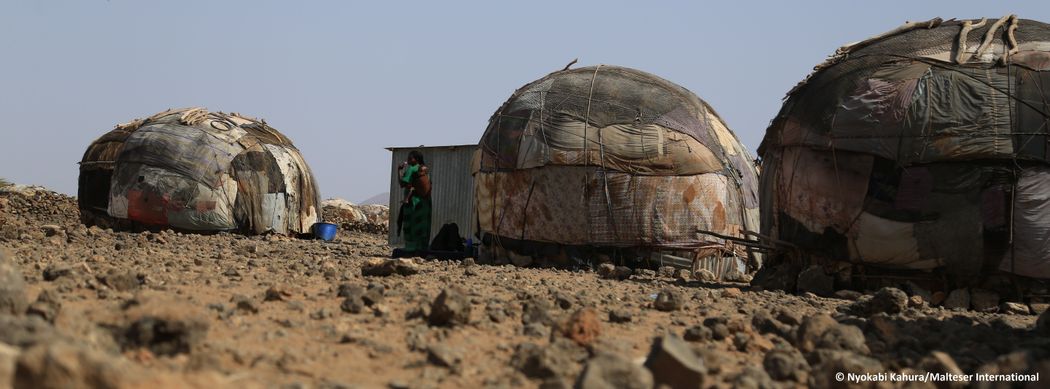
<point>345,79</point>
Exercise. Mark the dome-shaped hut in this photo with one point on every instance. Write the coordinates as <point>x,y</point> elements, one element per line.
<point>922,148</point>
<point>613,163</point>
<point>195,170</point>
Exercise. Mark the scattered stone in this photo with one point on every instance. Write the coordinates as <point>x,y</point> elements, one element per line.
<point>46,306</point>
<point>984,300</point>
<point>1038,308</point>
<point>732,292</point>
<point>163,325</point>
<point>122,281</point>
<point>705,275</point>
<point>697,334</point>
<point>275,293</point>
<point>665,271</point>
<point>13,299</point>
<point>673,363</point>
<point>244,304</point>
<point>752,378</point>
<point>888,300</point>
<point>55,272</point>
<point>789,317</point>
<point>583,327</point>
<point>607,371</point>
<point>822,331</point>
<point>541,362</point>
<point>785,364</point>
<point>620,316</point>
<point>381,267</point>
<point>444,356</point>
<point>536,330</point>
<point>450,308</point>
<point>734,275</point>
<point>537,310</point>
<point>813,279</point>
<point>915,301</point>
<point>940,362</point>
<point>683,275</point>
<point>958,299</point>
<point>613,272</point>
<point>1010,308</point>
<point>846,294</point>
<point>669,300</point>
<point>830,363</point>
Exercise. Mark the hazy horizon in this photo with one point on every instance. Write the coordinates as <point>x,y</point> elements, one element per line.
<point>345,80</point>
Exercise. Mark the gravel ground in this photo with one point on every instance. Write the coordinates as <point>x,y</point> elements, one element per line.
<point>89,307</point>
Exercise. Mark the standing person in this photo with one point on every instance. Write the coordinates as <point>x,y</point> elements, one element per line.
<point>414,219</point>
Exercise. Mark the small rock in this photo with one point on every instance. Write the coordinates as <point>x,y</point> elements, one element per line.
<point>734,275</point>
<point>244,304</point>
<point>789,317</point>
<point>705,275</point>
<point>13,299</point>
<point>984,300</point>
<point>958,299</point>
<point>613,272</point>
<point>669,300</point>
<point>940,362</point>
<point>444,356</point>
<point>607,371</point>
<point>1011,308</point>
<point>55,272</point>
<point>541,362</point>
<point>822,331</point>
<point>381,267</point>
<point>752,378</point>
<point>583,327</point>
<point>813,279</point>
<point>846,294</point>
<point>937,298</point>
<point>888,300</point>
<point>673,363</point>
<point>536,330</point>
<point>915,301</point>
<point>697,334</point>
<point>732,292</point>
<point>1038,308</point>
<point>275,293</point>
<point>536,310</point>
<point>122,281</point>
<point>785,365</point>
<point>620,316</point>
<point>831,363</point>
<point>665,271</point>
<point>450,308</point>
<point>683,275</point>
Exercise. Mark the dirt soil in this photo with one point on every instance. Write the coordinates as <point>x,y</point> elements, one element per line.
<point>88,307</point>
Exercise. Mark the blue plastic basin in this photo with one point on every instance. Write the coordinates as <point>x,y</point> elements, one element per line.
<point>325,231</point>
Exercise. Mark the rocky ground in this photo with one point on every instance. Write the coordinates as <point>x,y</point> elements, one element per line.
<point>85,307</point>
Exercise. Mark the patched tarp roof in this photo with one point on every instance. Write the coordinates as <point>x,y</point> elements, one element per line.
<point>197,170</point>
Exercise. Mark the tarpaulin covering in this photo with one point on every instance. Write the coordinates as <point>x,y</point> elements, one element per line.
<point>906,146</point>
<point>195,170</point>
<point>613,157</point>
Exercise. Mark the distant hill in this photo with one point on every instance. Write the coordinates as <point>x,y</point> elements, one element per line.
<point>381,199</point>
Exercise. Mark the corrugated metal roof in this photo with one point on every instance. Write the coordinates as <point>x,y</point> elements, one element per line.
<point>452,193</point>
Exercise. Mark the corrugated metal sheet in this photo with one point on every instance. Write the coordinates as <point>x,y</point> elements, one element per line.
<point>452,196</point>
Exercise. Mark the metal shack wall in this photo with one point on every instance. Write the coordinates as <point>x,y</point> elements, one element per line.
<point>452,196</point>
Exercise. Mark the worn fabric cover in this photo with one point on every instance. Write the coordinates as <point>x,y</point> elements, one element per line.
<point>613,157</point>
<point>195,170</point>
<point>900,150</point>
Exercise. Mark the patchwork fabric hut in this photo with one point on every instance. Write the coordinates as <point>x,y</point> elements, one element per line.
<point>194,170</point>
<point>922,148</point>
<point>610,162</point>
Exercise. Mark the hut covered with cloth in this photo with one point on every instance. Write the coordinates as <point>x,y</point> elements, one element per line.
<point>198,171</point>
<point>923,148</point>
<point>614,164</point>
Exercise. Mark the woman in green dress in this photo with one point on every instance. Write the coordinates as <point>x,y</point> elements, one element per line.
<point>414,220</point>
